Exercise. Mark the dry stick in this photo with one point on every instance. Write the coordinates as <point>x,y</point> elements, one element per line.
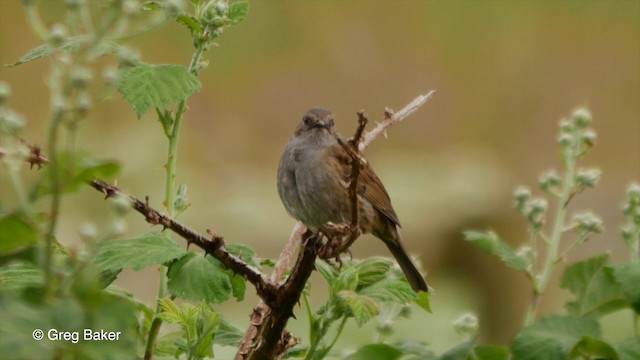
<point>267,326</point>
<point>267,290</point>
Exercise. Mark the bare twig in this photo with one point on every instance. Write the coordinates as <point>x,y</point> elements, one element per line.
<point>395,118</point>
<point>214,246</point>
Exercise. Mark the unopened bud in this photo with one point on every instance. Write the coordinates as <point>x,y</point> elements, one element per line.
<point>581,117</point>
<point>467,324</point>
<point>588,178</point>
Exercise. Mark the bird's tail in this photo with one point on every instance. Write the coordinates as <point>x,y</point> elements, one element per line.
<point>416,280</point>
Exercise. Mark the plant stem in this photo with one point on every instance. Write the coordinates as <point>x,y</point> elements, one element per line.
<point>171,167</point>
<point>551,258</point>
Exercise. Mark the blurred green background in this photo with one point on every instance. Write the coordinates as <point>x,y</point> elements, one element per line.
<point>505,73</point>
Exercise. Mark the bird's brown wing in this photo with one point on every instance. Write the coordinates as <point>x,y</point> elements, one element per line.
<point>375,192</point>
<point>369,185</point>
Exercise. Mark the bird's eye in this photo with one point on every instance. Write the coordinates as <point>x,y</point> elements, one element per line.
<point>307,120</point>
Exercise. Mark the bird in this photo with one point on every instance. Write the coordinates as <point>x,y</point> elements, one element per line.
<point>313,183</point>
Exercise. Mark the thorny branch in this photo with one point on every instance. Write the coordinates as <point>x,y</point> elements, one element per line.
<point>266,289</point>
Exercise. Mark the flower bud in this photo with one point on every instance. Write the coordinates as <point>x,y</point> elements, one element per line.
<point>121,205</point>
<point>566,126</point>
<point>565,140</point>
<point>588,223</point>
<point>80,77</point>
<point>588,178</point>
<point>549,180</point>
<point>581,117</point>
<point>57,35</point>
<point>522,195</point>
<point>589,137</point>
<point>466,324</point>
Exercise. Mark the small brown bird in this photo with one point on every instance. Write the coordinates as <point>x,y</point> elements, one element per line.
<point>313,183</point>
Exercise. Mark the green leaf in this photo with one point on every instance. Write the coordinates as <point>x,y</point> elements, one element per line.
<point>71,44</point>
<point>238,11</point>
<point>206,324</point>
<point>74,171</point>
<point>363,308</point>
<point>594,287</point>
<point>424,302</point>
<point>347,280</point>
<point>155,86</point>
<point>491,243</point>
<point>18,276</point>
<point>136,253</point>
<point>16,232</point>
<point>459,352</point>
<point>327,271</point>
<point>227,334</point>
<point>238,285</point>
<point>553,337</point>
<point>591,348</point>
<point>628,349</point>
<point>491,352</point>
<point>199,278</point>
<point>191,23</point>
<point>376,352</point>
<point>628,277</point>
<point>373,270</point>
<point>393,290</point>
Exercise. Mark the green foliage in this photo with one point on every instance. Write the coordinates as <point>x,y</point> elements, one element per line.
<point>491,243</point>
<point>554,337</point>
<point>136,253</point>
<point>199,278</point>
<point>74,170</point>
<point>376,352</point>
<point>360,290</point>
<point>155,86</point>
<point>598,285</point>
<point>17,232</point>
<point>592,283</point>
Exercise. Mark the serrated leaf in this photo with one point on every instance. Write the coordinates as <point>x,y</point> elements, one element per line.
<point>492,244</point>
<point>327,271</point>
<point>16,232</point>
<point>628,349</point>
<point>170,312</point>
<point>74,170</point>
<point>373,270</point>
<point>227,334</point>
<point>553,337</point>
<point>376,352</point>
<point>136,253</point>
<point>199,278</point>
<point>155,86</point>
<point>393,290</point>
<point>363,308</point>
<point>206,323</point>
<point>14,277</point>
<point>346,280</point>
<point>593,286</point>
<point>238,11</point>
<point>628,277</point>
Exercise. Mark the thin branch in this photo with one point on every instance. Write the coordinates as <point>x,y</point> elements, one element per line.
<point>267,290</point>
<point>392,118</point>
